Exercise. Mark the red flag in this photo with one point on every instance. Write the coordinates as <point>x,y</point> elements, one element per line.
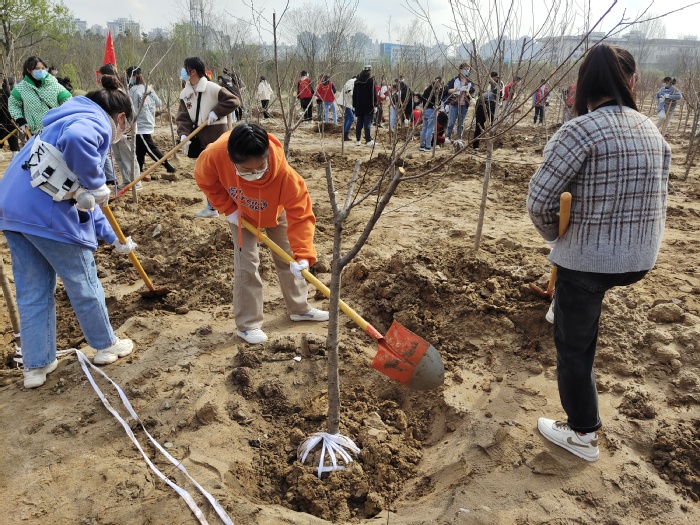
<point>110,55</point>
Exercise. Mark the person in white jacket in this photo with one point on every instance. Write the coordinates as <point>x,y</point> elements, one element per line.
<point>345,100</point>
<point>202,101</point>
<point>145,107</point>
<point>264,95</point>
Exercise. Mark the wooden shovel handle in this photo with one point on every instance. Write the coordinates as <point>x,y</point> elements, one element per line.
<point>564,216</point>
<point>132,256</point>
<point>161,160</point>
<point>7,137</point>
<point>352,314</point>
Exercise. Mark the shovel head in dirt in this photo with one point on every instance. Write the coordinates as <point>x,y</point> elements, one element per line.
<point>409,359</point>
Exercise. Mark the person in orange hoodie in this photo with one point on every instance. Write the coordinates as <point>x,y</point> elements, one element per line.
<point>245,174</point>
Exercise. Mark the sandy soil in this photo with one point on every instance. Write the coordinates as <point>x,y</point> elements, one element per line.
<point>468,452</point>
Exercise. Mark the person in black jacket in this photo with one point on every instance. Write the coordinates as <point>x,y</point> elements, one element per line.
<point>6,125</point>
<point>364,100</point>
<point>431,98</point>
<point>486,107</point>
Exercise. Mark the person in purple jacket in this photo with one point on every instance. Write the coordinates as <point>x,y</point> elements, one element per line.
<point>52,226</point>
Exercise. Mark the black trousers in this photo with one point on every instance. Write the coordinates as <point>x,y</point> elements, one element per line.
<point>145,145</point>
<point>577,304</point>
<point>307,107</point>
<point>484,111</point>
<point>264,104</point>
<point>363,122</point>
<point>539,110</point>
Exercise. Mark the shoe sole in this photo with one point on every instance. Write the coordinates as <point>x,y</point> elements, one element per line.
<point>297,318</point>
<point>574,450</point>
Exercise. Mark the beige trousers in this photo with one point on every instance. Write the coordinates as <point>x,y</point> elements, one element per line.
<point>248,286</point>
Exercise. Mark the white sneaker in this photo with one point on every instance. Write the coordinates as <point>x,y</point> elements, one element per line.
<point>207,213</point>
<point>560,434</point>
<point>447,140</point>
<point>312,315</point>
<point>35,377</point>
<point>550,313</point>
<point>370,143</point>
<point>121,348</point>
<point>358,143</point>
<point>254,336</point>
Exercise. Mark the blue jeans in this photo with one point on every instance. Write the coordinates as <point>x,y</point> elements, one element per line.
<point>457,114</point>
<point>426,132</point>
<point>348,119</point>
<point>326,107</point>
<point>35,263</point>
<point>109,170</point>
<point>577,304</point>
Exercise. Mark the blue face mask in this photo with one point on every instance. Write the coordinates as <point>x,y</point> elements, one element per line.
<point>131,81</point>
<point>183,74</point>
<point>465,72</point>
<point>40,74</point>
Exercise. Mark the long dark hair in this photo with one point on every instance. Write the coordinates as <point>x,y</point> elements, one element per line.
<point>605,73</point>
<point>112,98</point>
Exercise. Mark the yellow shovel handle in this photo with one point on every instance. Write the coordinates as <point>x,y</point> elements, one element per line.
<point>352,314</point>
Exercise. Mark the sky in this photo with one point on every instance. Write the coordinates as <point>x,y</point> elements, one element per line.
<point>387,17</point>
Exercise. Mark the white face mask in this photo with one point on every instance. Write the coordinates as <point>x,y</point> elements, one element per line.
<point>117,132</point>
<point>252,175</point>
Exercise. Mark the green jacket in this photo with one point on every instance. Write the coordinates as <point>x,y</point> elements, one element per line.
<point>28,104</point>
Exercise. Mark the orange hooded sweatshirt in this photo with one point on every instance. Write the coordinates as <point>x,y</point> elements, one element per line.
<point>260,202</point>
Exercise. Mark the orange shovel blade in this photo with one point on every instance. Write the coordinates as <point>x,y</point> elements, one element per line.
<point>409,359</point>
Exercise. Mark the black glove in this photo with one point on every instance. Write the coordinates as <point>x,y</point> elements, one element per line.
<point>21,122</point>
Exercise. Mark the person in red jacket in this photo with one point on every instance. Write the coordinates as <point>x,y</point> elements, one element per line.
<point>245,174</point>
<point>305,92</point>
<point>325,91</point>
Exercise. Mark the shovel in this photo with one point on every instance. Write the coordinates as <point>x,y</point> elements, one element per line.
<point>160,161</point>
<point>401,354</point>
<point>564,214</point>
<point>7,137</point>
<point>152,290</point>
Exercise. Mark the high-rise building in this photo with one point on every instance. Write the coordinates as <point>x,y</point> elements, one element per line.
<point>121,26</point>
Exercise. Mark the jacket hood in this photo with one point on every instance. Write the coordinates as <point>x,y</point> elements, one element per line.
<point>77,106</point>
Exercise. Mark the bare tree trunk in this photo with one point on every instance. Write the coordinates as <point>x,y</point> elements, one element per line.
<point>170,121</point>
<point>10,302</point>
<point>484,194</point>
<point>333,421</point>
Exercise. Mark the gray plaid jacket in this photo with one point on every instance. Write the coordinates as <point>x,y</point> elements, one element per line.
<point>615,163</point>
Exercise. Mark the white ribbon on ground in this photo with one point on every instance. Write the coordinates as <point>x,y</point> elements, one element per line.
<point>331,444</point>
<point>84,363</point>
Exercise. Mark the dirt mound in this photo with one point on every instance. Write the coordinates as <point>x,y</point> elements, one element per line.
<point>677,456</point>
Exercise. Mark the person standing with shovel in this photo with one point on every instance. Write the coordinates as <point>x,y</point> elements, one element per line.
<point>245,174</point>
<point>52,230</point>
<point>615,163</point>
<point>202,101</point>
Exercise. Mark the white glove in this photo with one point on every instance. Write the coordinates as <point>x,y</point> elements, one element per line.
<point>375,110</point>
<point>186,145</point>
<point>101,194</point>
<point>23,129</point>
<point>125,248</point>
<point>297,267</point>
<point>405,121</point>
<point>233,218</point>
<point>212,118</point>
<point>667,96</point>
<point>552,244</point>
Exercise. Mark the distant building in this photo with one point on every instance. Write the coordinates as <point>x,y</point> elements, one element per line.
<point>121,26</point>
<point>98,30</point>
<point>79,26</point>
<point>659,53</point>
<point>158,33</point>
<point>396,53</point>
